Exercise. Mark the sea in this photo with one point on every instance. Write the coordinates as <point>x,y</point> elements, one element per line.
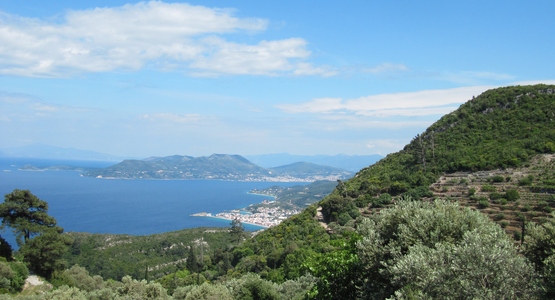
<point>124,206</point>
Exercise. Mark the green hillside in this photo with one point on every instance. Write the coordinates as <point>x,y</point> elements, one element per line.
<point>501,128</point>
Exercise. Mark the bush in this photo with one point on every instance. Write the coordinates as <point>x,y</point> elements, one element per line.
<point>517,235</point>
<point>526,208</point>
<point>354,213</point>
<point>499,217</point>
<point>382,200</point>
<point>495,196</point>
<point>498,178</point>
<point>418,193</point>
<point>512,195</point>
<point>503,201</point>
<point>362,201</point>
<point>520,217</point>
<point>471,191</point>
<point>533,214</point>
<point>483,204</point>
<point>488,188</point>
<point>343,219</point>
<point>504,224</point>
<point>547,209</point>
<point>542,203</point>
<point>508,178</point>
<point>525,181</point>
<point>503,207</point>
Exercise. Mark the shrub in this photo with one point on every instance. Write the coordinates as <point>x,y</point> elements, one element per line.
<point>418,193</point>
<point>547,209</point>
<point>512,195</point>
<point>499,217</point>
<point>382,200</point>
<point>508,178</point>
<point>495,196</point>
<point>517,203</point>
<point>471,191</point>
<point>503,201</point>
<point>483,203</point>
<point>526,208</point>
<point>488,188</point>
<point>520,216</point>
<point>463,181</point>
<point>517,235</point>
<point>533,214</point>
<point>503,207</point>
<point>362,201</point>
<point>504,224</point>
<point>525,181</point>
<point>354,213</point>
<point>343,219</point>
<point>498,178</point>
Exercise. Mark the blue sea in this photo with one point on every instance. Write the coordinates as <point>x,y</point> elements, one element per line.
<point>120,206</point>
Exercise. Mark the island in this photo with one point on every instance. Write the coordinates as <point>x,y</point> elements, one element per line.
<point>217,167</point>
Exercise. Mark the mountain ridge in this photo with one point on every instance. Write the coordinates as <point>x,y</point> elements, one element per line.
<point>215,167</point>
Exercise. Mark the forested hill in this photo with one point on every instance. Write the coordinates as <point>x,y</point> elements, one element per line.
<point>216,166</point>
<point>501,128</point>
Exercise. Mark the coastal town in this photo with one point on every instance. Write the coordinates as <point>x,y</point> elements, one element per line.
<point>263,216</point>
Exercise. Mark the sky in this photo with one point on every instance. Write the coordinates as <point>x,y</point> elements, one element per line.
<point>161,78</point>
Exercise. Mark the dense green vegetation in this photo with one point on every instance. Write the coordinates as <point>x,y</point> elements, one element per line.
<point>501,128</point>
<point>298,196</point>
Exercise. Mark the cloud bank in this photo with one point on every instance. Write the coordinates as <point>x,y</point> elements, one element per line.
<point>154,34</point>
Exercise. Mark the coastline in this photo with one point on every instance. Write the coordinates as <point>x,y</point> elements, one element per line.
<point>262,195</point>
<point>215,217</point>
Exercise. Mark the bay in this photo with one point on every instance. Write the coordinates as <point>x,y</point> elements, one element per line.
<point>120,206</point>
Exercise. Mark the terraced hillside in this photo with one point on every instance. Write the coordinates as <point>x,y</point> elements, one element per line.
<point>487,191</point>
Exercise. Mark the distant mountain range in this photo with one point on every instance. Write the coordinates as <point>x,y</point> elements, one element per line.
<point>51,152</point>
<point>216,167</point>
<point>353,163</point>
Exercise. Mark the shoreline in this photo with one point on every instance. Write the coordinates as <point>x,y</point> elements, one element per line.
<point>262,195</point>
<point>214,217</point>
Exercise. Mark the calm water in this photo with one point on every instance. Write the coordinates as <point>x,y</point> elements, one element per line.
<point>137,207</point>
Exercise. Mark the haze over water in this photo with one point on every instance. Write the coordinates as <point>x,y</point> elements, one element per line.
<point>119,206</point>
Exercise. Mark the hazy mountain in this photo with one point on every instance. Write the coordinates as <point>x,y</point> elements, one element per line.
<point>352,163</point>
<point>216,166</point>
<point>51,152</point>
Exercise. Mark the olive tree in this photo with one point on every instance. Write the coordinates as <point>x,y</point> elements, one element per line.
<point>420,250</point>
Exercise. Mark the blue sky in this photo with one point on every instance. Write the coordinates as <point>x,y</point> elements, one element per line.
<point>255,77</point>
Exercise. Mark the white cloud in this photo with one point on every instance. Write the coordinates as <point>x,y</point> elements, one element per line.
<point>385,146</point>
<point>377,104</point>
<point>171,117</point>
<point>386,68</point>
<point>386,113</point>
<point>266,58</point>
<point>309,69</point>
<point>321,105</point>
<point>166,36</point>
